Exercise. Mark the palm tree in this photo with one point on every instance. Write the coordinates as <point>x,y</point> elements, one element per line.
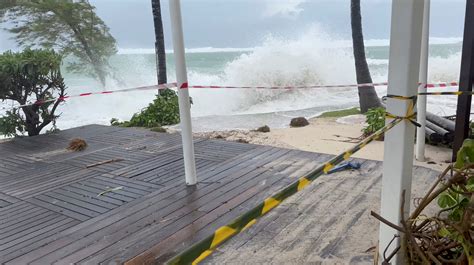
<point>159,42</point>
<point>367,95</point>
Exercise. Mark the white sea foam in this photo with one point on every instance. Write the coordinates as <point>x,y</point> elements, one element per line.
<point>188,50</point>
<point>307,60</point>
<point>333,43</point>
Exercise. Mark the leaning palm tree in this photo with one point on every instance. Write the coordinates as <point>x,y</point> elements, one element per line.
<point>159,42</point>
<point>367,95</point>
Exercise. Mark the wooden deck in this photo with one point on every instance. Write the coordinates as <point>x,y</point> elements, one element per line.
<point>327,223</point>
<point>51,211</point>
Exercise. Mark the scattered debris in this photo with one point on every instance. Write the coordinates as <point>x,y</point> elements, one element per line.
<point>243,141</point>
<point>77,145</point>
<point>299,122</point>
<point>371,249</point>
<point>251,137</point>
<point>344,166</point>
<point>104,162</point>
<point>109,190</point>
<point>158,129</point>
<point>263,129</point>
<point>440,228</point>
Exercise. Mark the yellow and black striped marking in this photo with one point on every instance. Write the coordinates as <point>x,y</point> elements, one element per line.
<point>199,251</point>
<point>410,114</point>
<point>454,93</point>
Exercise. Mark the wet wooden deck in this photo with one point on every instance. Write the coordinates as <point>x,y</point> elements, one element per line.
<point>327,223</point>
<point>51,211</point>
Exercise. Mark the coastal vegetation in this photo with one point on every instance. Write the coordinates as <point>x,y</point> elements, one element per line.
<point>69,27</point>
<point>375,120</point>
<point>28,77</point>
<point>164,110</point>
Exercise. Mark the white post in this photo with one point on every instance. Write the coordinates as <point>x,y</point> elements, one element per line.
<point>421,105</point>
<point>183,92</point>
<point>404,69</point>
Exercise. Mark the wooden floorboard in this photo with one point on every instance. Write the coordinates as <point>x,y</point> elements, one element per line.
<point>124,198</point>
<point>25,227</point>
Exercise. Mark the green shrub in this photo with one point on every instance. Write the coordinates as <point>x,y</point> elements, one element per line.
<point>375,119</point>
<point>164,110</point>
<point>27,77</point>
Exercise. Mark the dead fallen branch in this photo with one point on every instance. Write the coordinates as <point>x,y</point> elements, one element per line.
<point>446,237</point>
<point>104,162</point>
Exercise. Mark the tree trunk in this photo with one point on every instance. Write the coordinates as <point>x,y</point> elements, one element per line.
<point>159,42</point>
<point>367,96</point>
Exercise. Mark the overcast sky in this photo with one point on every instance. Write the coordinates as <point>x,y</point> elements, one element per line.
<point>244,23</point>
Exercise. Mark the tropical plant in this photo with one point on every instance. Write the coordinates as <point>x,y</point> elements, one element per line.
<point>368,98</point>
<point>164,110</point>
<point>28,77</point>
<point>160,50</point>
<point>70,27</point>
<point>375,120</point>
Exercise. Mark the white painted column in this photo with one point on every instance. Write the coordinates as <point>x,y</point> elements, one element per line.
<point>183,93</point>
<point>421,105</point>
<point>404,70</point>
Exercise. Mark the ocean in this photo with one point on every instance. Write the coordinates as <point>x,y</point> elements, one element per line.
<point>311,60</point>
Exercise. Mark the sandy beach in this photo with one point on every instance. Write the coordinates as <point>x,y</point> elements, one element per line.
<point>330,136</point>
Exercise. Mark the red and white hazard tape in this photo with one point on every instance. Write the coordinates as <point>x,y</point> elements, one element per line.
<point>434,85</point>
<point>143,88</point>
<point>186,86</point>
<point>451,84</point>
<point>290,87</point>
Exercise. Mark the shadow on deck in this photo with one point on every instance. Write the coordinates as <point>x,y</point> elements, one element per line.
<point>51,211</point>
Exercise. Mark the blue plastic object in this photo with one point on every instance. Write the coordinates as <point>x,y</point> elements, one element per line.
<point>345,166</point>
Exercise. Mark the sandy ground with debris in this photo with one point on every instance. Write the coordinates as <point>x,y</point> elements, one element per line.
<point>331,136</point>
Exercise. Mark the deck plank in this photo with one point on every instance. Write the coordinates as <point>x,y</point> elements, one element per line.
<point>51,211</point>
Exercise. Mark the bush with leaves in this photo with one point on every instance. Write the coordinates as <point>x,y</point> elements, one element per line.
<point>28,77</point>
<point>164,110</point>
<point>70,27</point>
<point>375,119</point>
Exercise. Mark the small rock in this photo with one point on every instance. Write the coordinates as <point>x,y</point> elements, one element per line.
<point>240,140</point>
<point>299,122</point>
<point>219,137</point>
<point>263,129</point>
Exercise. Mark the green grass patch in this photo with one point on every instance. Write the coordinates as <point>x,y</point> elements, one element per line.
<point>340,113</point>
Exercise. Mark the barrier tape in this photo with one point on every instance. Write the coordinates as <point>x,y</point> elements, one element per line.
<point>444,84</point>
<point>411,114</point>
<point>143,88</point>
<point>199,251</point>
<point>433,85</point>
<point>292,87</point>
<point>455,93</point>
<point>186,86</point>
